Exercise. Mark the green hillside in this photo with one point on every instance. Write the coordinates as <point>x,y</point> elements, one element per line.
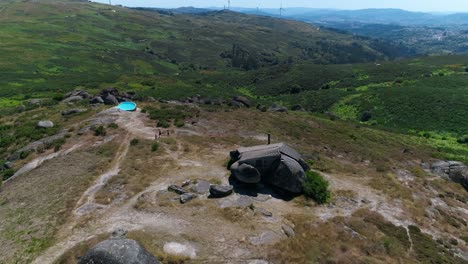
<point>50,47</point>
<point>55,45</point>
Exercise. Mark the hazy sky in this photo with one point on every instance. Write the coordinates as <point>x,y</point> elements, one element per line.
<point>413,5</point>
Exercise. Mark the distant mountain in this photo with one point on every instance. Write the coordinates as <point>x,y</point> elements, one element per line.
<point>374,16</point>
<point>180,10</point>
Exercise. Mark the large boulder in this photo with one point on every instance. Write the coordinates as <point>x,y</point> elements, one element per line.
<point>453,170</point>
<point>277,164</point>
<point>460,175</point>
<point>245,173</point>
<point>243,100</point>
<point>45,124</point>
<point>110,99</point>
<point>278,109</point>
<point>97,100</point>
<point>288,176</point>
<point>118,251</point>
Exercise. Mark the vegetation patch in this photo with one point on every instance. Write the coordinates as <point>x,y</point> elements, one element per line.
<point>316,187</point>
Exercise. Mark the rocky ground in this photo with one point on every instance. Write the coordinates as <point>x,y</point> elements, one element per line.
<point>111,184</point>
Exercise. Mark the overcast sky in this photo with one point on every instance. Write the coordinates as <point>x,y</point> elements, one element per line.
<point>412,5</point>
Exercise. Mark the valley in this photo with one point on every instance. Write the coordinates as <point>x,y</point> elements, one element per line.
<point>380,123</point>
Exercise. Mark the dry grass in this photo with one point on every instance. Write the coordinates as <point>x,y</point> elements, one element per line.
<point>39,202</point>
<point>138,171</point>
<point>364,237</point>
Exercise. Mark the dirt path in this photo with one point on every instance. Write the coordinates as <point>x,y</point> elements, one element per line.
<point>39,160</point>
<point>87,201</point>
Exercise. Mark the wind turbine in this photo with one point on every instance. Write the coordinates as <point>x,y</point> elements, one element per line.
<point>229,4</point>
<point>281,8</point>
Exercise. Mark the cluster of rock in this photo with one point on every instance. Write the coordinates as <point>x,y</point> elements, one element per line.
<point>277,165</point>
<point>75,96</point>
<point>111,96</point>
<point>453,170</point>
<point>236,101</point>
<point>239,102</point>
<point>192,189</point>
<point>108,96</point>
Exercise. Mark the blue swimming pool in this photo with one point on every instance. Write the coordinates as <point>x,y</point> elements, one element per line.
<point>127,106</point>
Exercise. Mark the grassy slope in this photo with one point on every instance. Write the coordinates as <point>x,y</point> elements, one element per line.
<point>418,94</point>
<point>56,46</point>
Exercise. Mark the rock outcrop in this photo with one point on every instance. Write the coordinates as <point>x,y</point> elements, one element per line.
<point>453,170</point>
<point>118,251</point>
<point>278,165</point>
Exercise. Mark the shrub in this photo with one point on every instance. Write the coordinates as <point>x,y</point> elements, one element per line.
<point>179,123</point>
<point>100,131</point>
<point>8,173</point>
<point>113,126</point>
<point>58,97</point>
<point>316,187</point>
<point>154,147</point>
<point>463,139</point>
<point>134,142</point>
<point>24,154</point>
<point>163,124</point>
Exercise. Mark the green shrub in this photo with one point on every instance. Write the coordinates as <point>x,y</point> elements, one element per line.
<point>179,123</point>
<point>100,131</point>
<point>463,139</point>
<point>154,147</point>
<point>134,142</point>
<point>316,187</point>
<point>8,173</point>
<point>24,154</point>
<point>113,126</point>
<point>163,124</point>
<point>58,97</point>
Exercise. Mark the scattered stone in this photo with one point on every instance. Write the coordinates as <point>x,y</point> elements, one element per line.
<point>263,212</point>
<point>241,202</point>
<point>73,99</point>
<point>186,197</point>
<point>243,100</point>
<point>118,251</point>
<point>278,109</point>
<point>110,100</point>
<point>180,250</point>
<point>97,100</point>
<point>8,165</point>
<point>288,231</point>
<point>35,102</point>
<point>219,191</point>
<point>185,183</point>
<point>201,187</point>
<point>119,233</point>
<point>73,111</point>
<point>297,107</point>
<point>266,238</point>
<point>177,189</point>
<point>45,124</point>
